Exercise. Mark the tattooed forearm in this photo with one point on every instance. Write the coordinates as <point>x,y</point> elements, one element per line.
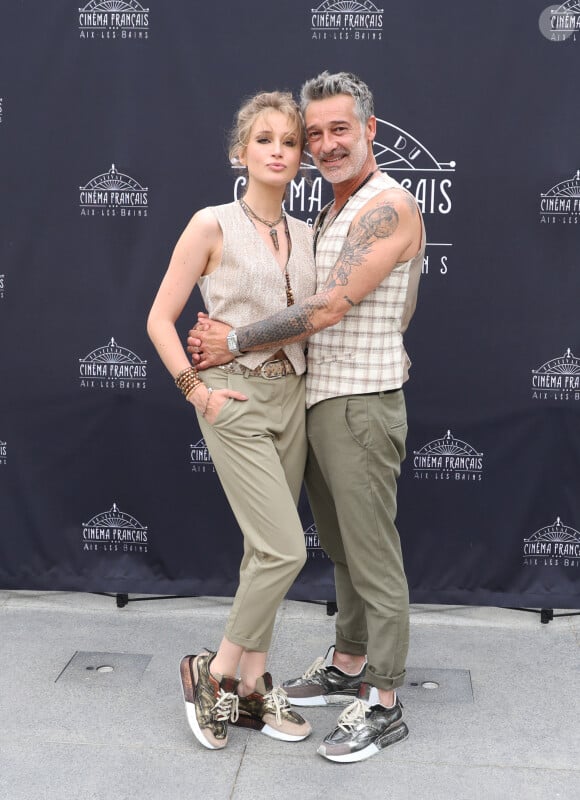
<point>327,307</point>
<point>378,223</point>
<point>287,326</point>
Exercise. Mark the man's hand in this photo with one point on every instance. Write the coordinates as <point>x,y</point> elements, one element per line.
<point>207,343</point>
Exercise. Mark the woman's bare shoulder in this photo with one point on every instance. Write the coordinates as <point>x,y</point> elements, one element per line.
<point>203,224</point>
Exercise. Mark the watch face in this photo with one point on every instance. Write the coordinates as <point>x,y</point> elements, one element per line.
<point>232,341</point>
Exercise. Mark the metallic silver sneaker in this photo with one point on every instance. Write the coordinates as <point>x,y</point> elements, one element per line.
<point>209,702</point>
<point>363,731</point>
<point>323,684</point>
<point>267,710</point>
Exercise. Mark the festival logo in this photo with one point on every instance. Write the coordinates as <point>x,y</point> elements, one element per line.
<point>114,531</point>
<point>557,379</point>
<point>556,545</point>
<point>561,203</point>
<point>112,367</point>
<point>200,458</point>
<point>447,459</point>
<point>3,453</point>
<point>407,160</point>
<point>113,19</point>
<point>2,282</point>
<point>113,194</point>
<point>561,23</point>
<point>313,548</point>
<point>347,20</point>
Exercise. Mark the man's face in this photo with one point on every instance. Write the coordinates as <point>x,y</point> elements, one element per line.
<point>339,144</point>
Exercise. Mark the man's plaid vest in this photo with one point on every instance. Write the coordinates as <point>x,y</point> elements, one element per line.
<point>364,352</point>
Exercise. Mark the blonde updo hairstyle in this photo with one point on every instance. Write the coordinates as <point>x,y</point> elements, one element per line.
<point>251,109</point>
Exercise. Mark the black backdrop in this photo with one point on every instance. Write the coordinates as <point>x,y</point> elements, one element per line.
<point>113,123</point>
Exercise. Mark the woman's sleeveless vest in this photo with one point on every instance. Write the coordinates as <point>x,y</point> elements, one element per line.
<point>249,285</point>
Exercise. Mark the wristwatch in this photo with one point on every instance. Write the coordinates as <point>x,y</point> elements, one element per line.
<point>232,340</point>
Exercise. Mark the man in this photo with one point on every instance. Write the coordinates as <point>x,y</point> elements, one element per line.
<point>369,245</point>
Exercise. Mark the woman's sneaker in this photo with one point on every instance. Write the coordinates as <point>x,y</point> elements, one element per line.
<point>363,730</point>
<point>209,702</point>
<point>267,710</point>
<point>323,684</point>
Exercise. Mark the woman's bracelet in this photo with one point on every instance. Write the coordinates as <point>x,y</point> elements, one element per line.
<point>209,391</point>
<point>188,380</point>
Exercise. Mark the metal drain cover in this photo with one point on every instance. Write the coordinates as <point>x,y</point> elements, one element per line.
<point>104,669</point>
<point>440,686</point>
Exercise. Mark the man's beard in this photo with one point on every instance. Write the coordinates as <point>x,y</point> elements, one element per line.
<point>347,169</point>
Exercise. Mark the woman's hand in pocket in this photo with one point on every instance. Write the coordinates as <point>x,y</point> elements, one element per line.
<point>210,402</point>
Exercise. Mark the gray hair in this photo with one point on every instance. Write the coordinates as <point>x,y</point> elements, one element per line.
<point>329,85</point>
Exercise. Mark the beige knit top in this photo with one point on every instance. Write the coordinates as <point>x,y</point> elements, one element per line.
<point>249,285</point>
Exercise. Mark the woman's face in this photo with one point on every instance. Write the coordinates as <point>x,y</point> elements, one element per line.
<point>272,155</point>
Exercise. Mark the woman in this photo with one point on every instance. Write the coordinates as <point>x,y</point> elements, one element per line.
<point>249,260</point>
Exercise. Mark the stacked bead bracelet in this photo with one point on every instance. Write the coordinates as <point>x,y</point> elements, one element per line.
<point>188,381</point>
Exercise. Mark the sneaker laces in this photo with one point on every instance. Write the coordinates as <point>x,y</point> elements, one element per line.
<point>317,666</point>
<point>276,700</point>
<point>353,715</point>
<point>226,706</point>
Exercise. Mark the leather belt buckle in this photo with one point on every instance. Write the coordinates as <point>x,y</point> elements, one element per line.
<point>278,372</point>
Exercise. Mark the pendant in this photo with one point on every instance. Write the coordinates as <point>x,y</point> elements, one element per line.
<point>274,235</point>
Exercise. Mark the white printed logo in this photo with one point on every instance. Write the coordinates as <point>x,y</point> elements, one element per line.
<point>112,367</point>
<point>561,203</point>
<point>396,151</point>
<point>347,20</point>
<point>556,545</point>
<point>2,282</point>
<point>447,459</point>
<point>3,453</point>
<point>313,548</point>
<point>113,531</point>
<point>200,458</point>
<point>561,23</point>
<point>113,194</point>
<point>113,19</point>
<point>557,379</point>
<point>428,179</point>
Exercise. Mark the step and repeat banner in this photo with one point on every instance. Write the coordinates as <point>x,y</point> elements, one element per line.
<point>114,117</point>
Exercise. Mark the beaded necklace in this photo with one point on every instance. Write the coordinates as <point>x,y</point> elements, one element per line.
<point>272,225</point>
<point>251,215</point>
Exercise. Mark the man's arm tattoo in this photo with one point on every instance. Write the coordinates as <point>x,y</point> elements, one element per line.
<point>295,323</point>
<point>290,325</point>
<point>378,223</point>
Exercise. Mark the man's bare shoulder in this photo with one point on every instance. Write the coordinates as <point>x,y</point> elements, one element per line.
<point>392,211</point>
<point>394,197</point>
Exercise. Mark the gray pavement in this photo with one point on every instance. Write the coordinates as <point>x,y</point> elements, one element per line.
<point>504,721</point>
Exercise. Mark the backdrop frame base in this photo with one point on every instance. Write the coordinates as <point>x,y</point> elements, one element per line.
<point>546,614</point>
<point>122,599</point>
